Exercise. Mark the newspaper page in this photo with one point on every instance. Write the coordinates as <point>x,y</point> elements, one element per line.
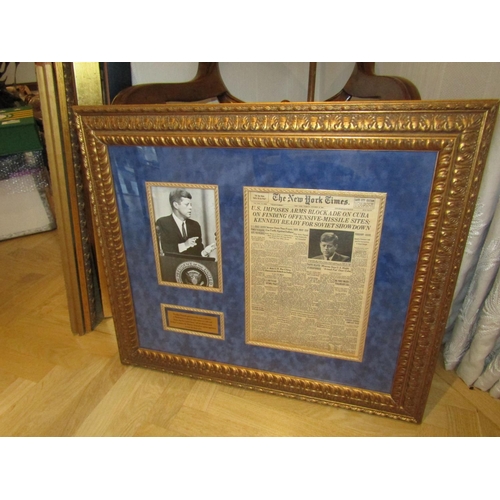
<point>310,261</point>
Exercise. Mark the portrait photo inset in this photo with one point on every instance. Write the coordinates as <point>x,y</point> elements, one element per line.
<point>184,224</point>
<point>330,245</point>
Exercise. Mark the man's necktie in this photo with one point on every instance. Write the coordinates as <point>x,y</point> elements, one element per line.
<point>184,233</point>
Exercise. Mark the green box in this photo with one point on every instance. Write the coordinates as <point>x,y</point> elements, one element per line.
<point>18,131</point>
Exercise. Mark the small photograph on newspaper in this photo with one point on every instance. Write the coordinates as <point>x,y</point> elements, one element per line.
<point>185,227</point>
<point>310,262</point>
<point>332,246</point>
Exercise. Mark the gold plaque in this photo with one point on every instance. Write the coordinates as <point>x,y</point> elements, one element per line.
<point>193,321</point>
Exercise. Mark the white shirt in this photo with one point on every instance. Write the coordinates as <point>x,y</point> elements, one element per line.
<point>179,222</point>
<point>182,246</point>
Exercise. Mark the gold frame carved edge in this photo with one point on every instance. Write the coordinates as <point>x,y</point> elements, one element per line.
<point>460,132</point>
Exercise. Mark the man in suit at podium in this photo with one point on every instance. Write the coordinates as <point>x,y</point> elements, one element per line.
<point>177,232</point>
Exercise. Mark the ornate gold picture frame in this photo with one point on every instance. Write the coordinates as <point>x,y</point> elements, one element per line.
<point>349,221</point>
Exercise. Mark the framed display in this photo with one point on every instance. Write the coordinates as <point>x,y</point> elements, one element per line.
<point>306,250</point>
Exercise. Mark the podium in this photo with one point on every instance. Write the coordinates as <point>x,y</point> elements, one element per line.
<point>190,270</point>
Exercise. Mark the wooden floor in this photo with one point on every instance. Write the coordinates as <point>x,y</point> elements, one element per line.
<point>53,383</point>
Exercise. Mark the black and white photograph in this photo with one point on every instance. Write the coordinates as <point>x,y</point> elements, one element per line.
<point>330,245</point>
<point>184,225</point>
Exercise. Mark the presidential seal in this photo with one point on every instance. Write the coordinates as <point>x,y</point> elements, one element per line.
<point>194,273</point>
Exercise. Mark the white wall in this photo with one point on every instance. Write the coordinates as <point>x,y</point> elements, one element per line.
<point>269,81</point>
<point>25,73</point>
<point>254,81</point>
<point>457,80</point>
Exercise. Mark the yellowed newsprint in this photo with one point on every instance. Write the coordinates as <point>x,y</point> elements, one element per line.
<point>310,261</point>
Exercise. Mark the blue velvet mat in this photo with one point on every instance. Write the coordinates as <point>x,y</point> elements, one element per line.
<point>406,177</point>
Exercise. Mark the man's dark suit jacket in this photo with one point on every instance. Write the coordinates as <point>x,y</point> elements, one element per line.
<point>170,236</point>
<point>336,256</point>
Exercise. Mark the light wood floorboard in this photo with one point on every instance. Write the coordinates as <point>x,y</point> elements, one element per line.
<point>53,383</point>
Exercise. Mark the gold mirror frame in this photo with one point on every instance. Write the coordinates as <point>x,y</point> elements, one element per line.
<point>459,131</point>
<point>63,85</point>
